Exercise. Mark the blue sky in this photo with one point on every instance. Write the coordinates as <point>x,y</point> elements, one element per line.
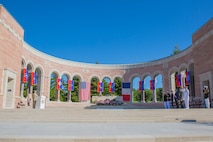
<point>109,31</point>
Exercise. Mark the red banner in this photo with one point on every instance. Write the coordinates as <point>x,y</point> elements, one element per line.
<point>126,98</point>
<point>111,87</point>
<point>70,85</point>
<point>178,80</point>
<point>32,78</point>
<point>24,75</point>
<point>58,83</point>
<point>100,87</point>
<point>152,84</point>
<point>187,79</point>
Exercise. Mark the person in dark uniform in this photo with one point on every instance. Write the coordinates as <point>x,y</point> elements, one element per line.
<point>177,98</point>
<point>172,99</point>
<point>168,99</point>
<point>165,100</point>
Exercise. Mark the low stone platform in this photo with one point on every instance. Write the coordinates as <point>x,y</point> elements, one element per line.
<point>89,123</point>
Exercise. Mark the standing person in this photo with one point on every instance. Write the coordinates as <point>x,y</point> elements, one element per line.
<point>186,97</point>
<point>206,96</point>
<point>28,99</point>
<point>176,97</point>
<point>168,99</point>
<point>172,99</point>
<point>181,98</point>
<point>165,100</point>
<point>34,99</point>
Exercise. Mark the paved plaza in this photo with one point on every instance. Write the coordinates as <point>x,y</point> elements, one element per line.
<point>81,123</point>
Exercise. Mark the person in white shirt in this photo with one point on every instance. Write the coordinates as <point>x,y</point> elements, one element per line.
<point>186,97</point>
<point>34,98</point>
<point>206,96</point>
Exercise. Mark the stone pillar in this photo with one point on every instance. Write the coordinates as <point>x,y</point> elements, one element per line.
<point>154,96</point>
<point>143,96</point>
<point>58,96</point>
<point>69,96</point>
<point>22,90</point>
<point>31,89</point>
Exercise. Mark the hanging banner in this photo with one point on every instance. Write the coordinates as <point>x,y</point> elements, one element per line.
<point>35,78</point>
<point>187,78</point>
<point>70,85</point>
<point>111,87</point>
<point>100,87</point>
<point>141,85</point>
<point>32,78</point>
<point>24,75</point>
<point>126,91</point>
<point>178,80</point>
<point>59,85</point>
<point>152,84</point>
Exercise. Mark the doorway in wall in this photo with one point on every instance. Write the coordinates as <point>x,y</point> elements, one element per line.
<point>9,88</point>
<point>9,93</point>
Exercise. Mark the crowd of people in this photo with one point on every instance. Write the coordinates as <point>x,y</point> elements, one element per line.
<point>34,97</point>
<point>180,98</point>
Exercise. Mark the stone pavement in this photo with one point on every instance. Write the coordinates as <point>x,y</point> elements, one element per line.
<point>106,124</point>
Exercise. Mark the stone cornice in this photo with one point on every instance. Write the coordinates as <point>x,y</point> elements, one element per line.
<point>204,37</point>
<point>104,66</point>
<point>10,29</point>
<point>162,61</point>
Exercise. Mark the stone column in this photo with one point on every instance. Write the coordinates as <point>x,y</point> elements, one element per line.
<point>22,90</point>
<point>58,96</point>
<point>143,96</point>
<point>154,96</point>
<point>31,89</point>
<point>69,96</point>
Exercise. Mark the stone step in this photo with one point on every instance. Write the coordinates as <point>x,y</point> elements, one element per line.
<point>84,123</point>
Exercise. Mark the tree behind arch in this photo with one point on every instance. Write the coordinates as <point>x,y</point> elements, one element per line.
<point>176,50</point>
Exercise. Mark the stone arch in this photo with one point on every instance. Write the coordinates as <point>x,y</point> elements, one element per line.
<point>190,62</point>
<point>106,80</point>
<point>41,68</point>
<point>182,70</point>
<point>94,84</point>
<point>23,63</point>
<point>94,76</point>
<point>117,76</point>
<point>67,74</point>
<point>30,64</point>
<point>156,73</point>
<point>144,75</point>
<point>28,88</point>
<point>106,76</point>
<point>22,85</point>
<point>64,94</point>
<point>192,80</point>
<point>172,72</point>
<point>158,94</point>
<point>148,94</point>
<point>118,85</point>
<point>39,72</point>
<point>54,93</point>
<point>136,94</point>
<point>54,71</point>
<point>182,67</point>
<point>79,76</point>
<point>133,76</point>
